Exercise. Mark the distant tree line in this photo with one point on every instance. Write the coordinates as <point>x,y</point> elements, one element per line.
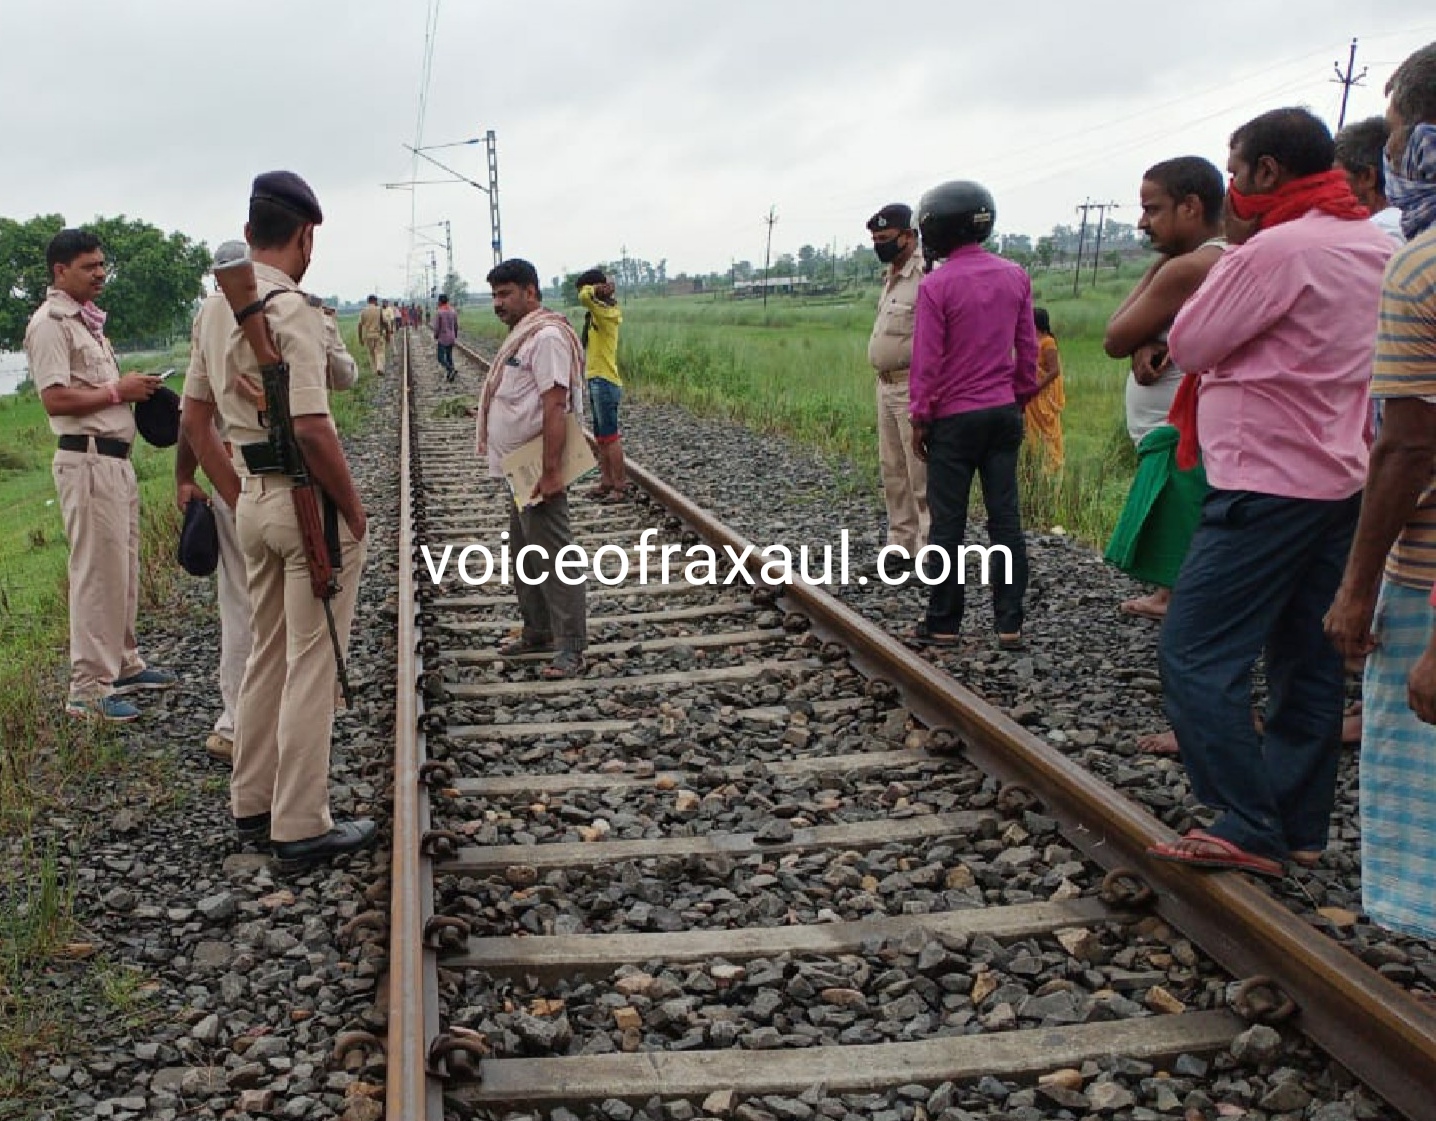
<point>154,278</point>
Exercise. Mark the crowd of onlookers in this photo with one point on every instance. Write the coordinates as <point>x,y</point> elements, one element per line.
<point>1282,401</point>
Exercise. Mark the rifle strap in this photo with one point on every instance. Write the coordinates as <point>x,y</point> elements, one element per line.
<point>259,305</point>
<point>331,532</point>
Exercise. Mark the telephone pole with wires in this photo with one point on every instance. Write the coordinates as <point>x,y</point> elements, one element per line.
<point>1347,80</point>
<point>771,219</point>
<point>1101,208</point>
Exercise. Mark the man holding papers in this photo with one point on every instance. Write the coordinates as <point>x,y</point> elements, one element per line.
<point>534,383</point>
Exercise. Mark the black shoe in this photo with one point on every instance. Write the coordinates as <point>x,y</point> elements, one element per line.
<point>253,830</point>
<point>347,836</point>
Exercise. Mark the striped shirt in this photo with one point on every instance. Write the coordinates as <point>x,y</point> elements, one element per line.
<point>1405,366</point>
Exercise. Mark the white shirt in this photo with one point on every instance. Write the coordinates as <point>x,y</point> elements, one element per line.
<point>1388,221</point>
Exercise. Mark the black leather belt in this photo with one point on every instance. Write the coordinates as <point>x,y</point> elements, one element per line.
<point>115,449</point>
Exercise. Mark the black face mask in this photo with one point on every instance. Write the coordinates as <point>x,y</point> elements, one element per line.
<point>888,251</point>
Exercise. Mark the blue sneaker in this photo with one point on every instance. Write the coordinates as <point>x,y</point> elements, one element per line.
<point>110,709</point>
<point>150,678</point>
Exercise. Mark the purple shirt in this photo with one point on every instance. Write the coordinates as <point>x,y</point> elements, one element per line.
<point>446,325</point>
<point>974,345</point>
<point>1282,332</point>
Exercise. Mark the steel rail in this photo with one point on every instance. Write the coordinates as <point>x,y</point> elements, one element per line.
<point>1375,1029</point>
<point>410,1092</point>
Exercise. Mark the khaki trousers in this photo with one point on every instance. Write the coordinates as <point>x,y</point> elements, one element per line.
<point>376,350</point>
<point>904,476</point>
<point>100,506</point>
<point>286,704</point>
<point>235,639</point>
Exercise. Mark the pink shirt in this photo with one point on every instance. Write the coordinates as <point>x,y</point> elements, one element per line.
<point>516,413</point>
<point>1283,331</point>
<point>974,345</point>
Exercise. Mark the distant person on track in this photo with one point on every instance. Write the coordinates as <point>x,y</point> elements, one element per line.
<point>1181,202</point>
<point>534,382</point>
<point>446,333</point>
<point>601,321</point>
<point>88,403</point>
<point>974,368</point>
<point>1360,148</point>
<point>279,787</point>
<point>373,335</point>
<point>1280,334</point>
<point>1043,416</point>
<point>1395,630</point>
<point>389,314</point>
<point>904,475</point>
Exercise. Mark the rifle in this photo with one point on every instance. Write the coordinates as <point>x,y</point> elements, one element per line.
<point>319,535</point>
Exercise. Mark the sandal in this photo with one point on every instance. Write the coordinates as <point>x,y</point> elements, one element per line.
<point>565,664</point>
<point>523,645</point>
<point>597,493</point>
<point>1201,849</point>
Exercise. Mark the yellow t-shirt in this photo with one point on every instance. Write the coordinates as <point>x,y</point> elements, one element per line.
<point>601,337</point>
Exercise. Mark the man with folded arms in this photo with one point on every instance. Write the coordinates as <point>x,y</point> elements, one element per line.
<point>1277,344</point>
<point>74,369</point>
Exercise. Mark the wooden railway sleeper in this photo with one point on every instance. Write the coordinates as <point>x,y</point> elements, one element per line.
<point>1126,890</point>
<point>441,844</point>
<point>1260,1000</point>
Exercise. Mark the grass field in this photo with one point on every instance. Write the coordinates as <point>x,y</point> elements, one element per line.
<point>800,369</point>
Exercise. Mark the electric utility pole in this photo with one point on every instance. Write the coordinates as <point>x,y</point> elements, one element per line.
<point>1101,222</point>
<point>1347,80</point>
<point>771,219</point>
<point>1081,241</point>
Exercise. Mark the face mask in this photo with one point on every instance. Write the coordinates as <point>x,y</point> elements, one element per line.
<point>888,251</point>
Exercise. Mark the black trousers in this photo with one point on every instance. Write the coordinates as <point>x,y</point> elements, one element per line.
<point>984,442</point>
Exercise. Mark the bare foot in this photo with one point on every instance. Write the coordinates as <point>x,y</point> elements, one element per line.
<point>1152,606</point>
<point>1159,743</point>
<point>1351,728</point>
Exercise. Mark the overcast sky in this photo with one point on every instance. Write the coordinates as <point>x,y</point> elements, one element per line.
<point>664,126</point>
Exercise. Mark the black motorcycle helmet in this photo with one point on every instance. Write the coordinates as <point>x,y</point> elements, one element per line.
<point>954,214</point>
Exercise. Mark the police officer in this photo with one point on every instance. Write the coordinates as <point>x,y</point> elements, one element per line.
<point>88,402</point>
<point>279,785</point>
<point>373,333</point>
<point>904,475</point>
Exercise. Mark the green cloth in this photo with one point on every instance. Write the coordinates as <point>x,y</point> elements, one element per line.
<point>1161,514</point>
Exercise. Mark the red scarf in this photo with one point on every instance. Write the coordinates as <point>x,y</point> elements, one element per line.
<point>1328,192</point>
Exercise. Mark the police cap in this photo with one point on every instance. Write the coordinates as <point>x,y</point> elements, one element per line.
<point>894,216</point>
<point>284,188</point>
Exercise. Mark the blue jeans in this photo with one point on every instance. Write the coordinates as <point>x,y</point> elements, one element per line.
<point>1260,574</point>
<point>446,356</point>
<point>604,396</point>
<point>984,442</point>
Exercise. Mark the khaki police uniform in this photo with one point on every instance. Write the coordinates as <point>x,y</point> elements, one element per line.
<point>904,476</point>
<point>209,344</point>
<point>99,498</point>
<point>371,336</point>
<point>286,704</point>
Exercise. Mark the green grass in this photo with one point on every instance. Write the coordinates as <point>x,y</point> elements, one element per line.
<point>800,369</point>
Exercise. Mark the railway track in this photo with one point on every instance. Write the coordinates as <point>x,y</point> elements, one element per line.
<point>762,857</point>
